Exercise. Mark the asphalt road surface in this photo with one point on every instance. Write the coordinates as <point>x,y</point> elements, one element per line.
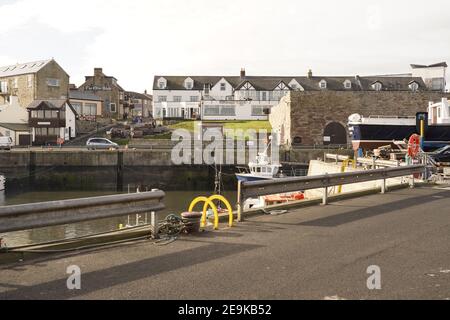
<point>318,252</point>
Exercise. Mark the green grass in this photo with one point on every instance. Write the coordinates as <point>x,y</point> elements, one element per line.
<point>233,125</point>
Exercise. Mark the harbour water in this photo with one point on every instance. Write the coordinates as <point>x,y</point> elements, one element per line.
<point>175,202</point>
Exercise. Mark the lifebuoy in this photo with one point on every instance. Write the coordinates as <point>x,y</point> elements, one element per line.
<point>414,145</point>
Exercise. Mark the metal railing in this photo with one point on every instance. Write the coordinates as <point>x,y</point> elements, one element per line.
<point>52,213</point>
<point>250,189</point>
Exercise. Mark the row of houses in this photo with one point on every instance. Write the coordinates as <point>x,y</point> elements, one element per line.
<point>246,97</point>
<point>38,105</point>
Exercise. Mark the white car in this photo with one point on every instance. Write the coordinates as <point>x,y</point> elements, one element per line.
<point>5,143</point>
<point>101,143</point>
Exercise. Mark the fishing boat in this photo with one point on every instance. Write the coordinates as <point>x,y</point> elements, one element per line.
<point>376,131</point>
<point>261,169</point>
<point>264,169</point>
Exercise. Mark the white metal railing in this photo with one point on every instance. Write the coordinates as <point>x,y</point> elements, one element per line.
<point>250,189</point>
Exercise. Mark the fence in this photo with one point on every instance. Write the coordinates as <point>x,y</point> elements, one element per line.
<point>250,189</point>
<point>45,214</point>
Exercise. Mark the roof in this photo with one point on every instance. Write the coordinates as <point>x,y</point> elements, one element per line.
<point>23,68</point>
<point>420,66</point>
<point>269,83</point>
<point>15,126</point>
<point>51,103</point>
<point>137,95</point>
<point>177,82</point>
<point>83,95</point>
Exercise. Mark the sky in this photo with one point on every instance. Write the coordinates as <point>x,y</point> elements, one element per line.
<point>134,40</point>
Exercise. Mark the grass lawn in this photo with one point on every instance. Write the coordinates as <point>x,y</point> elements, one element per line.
<point>233,125</point>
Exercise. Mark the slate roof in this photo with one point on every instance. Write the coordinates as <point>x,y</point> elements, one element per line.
<point>51,104</point>
<point>23,68</point>
<point>83,95</point>
<point>137,95</point>
<point>15,126</point>
<point>419,66</point>
<point>269,83</point>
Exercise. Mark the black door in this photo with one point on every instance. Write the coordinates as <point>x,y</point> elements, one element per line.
<point>334,133</point>
<point>24,139</point>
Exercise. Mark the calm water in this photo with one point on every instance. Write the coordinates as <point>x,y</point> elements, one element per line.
<point>175,201</point>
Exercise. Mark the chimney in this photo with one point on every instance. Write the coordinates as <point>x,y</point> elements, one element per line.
<point>98,71</point>
<point>242,73</point>
<point>145,91</point>
<point>310,74</point>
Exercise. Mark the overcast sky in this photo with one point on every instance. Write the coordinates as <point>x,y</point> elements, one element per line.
<point>135,39</point>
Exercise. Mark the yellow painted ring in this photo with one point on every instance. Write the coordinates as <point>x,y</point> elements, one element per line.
<point>207,203</point>
<point>227,204</point>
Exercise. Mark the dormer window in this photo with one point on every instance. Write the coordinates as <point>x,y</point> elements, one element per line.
<point>347,84</point>
<point>162,83</point>
<point>323,84</point>
<point>188,83</point>
<point>414,86</point>
<point>377,86</point>
<point>206,89</point>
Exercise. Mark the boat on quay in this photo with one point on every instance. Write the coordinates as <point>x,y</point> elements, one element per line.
<point>264,169</point>
<point>375,131</point>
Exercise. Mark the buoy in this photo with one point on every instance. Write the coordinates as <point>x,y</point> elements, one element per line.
<point>414,145</point>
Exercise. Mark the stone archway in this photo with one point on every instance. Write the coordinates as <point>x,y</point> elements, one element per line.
<point>334,133</point>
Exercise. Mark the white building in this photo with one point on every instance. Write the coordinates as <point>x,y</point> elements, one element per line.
<point>433,75</point>
<point>218,97</point>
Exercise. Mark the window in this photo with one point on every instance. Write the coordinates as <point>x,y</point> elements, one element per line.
<point>414,86</point>
<point>194,99</point>
<point>323,84</point>
<point>294,86</point>
<point>3,86</point>
<point>206,89</point>
<point>53,82</point>
<point>161,85</point>
<point>177,99</point>
<point>30,81</point>
<point>162,98</point>
<point>7,133</point>
<point>223,86</point>
<point>264,96</point>
<point>62,114</point>
<point>112,107</point>
<point>227,111</point>
<point>212,111</point>
<point>258,110</point>
<point>347,84</point>
<point>377,86</point>
<point>90,109</point>
<point>189,85</point>
<point>40,114</point>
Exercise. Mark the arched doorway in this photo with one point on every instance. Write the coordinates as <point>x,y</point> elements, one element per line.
<point>334,133</point>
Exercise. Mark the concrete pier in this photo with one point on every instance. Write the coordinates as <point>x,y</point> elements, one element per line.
<point>317,252</point>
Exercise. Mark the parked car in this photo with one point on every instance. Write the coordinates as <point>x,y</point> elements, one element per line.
<point>101,143</point>
<point>5,143</point>
<point>441,155</point>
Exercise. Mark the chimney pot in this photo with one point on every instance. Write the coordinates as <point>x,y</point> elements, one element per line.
<point>242,73</point>
<point>310,74</point>
<point>98,71</point>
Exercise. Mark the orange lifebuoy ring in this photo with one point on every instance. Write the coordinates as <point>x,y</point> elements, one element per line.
<point>414,145</point>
